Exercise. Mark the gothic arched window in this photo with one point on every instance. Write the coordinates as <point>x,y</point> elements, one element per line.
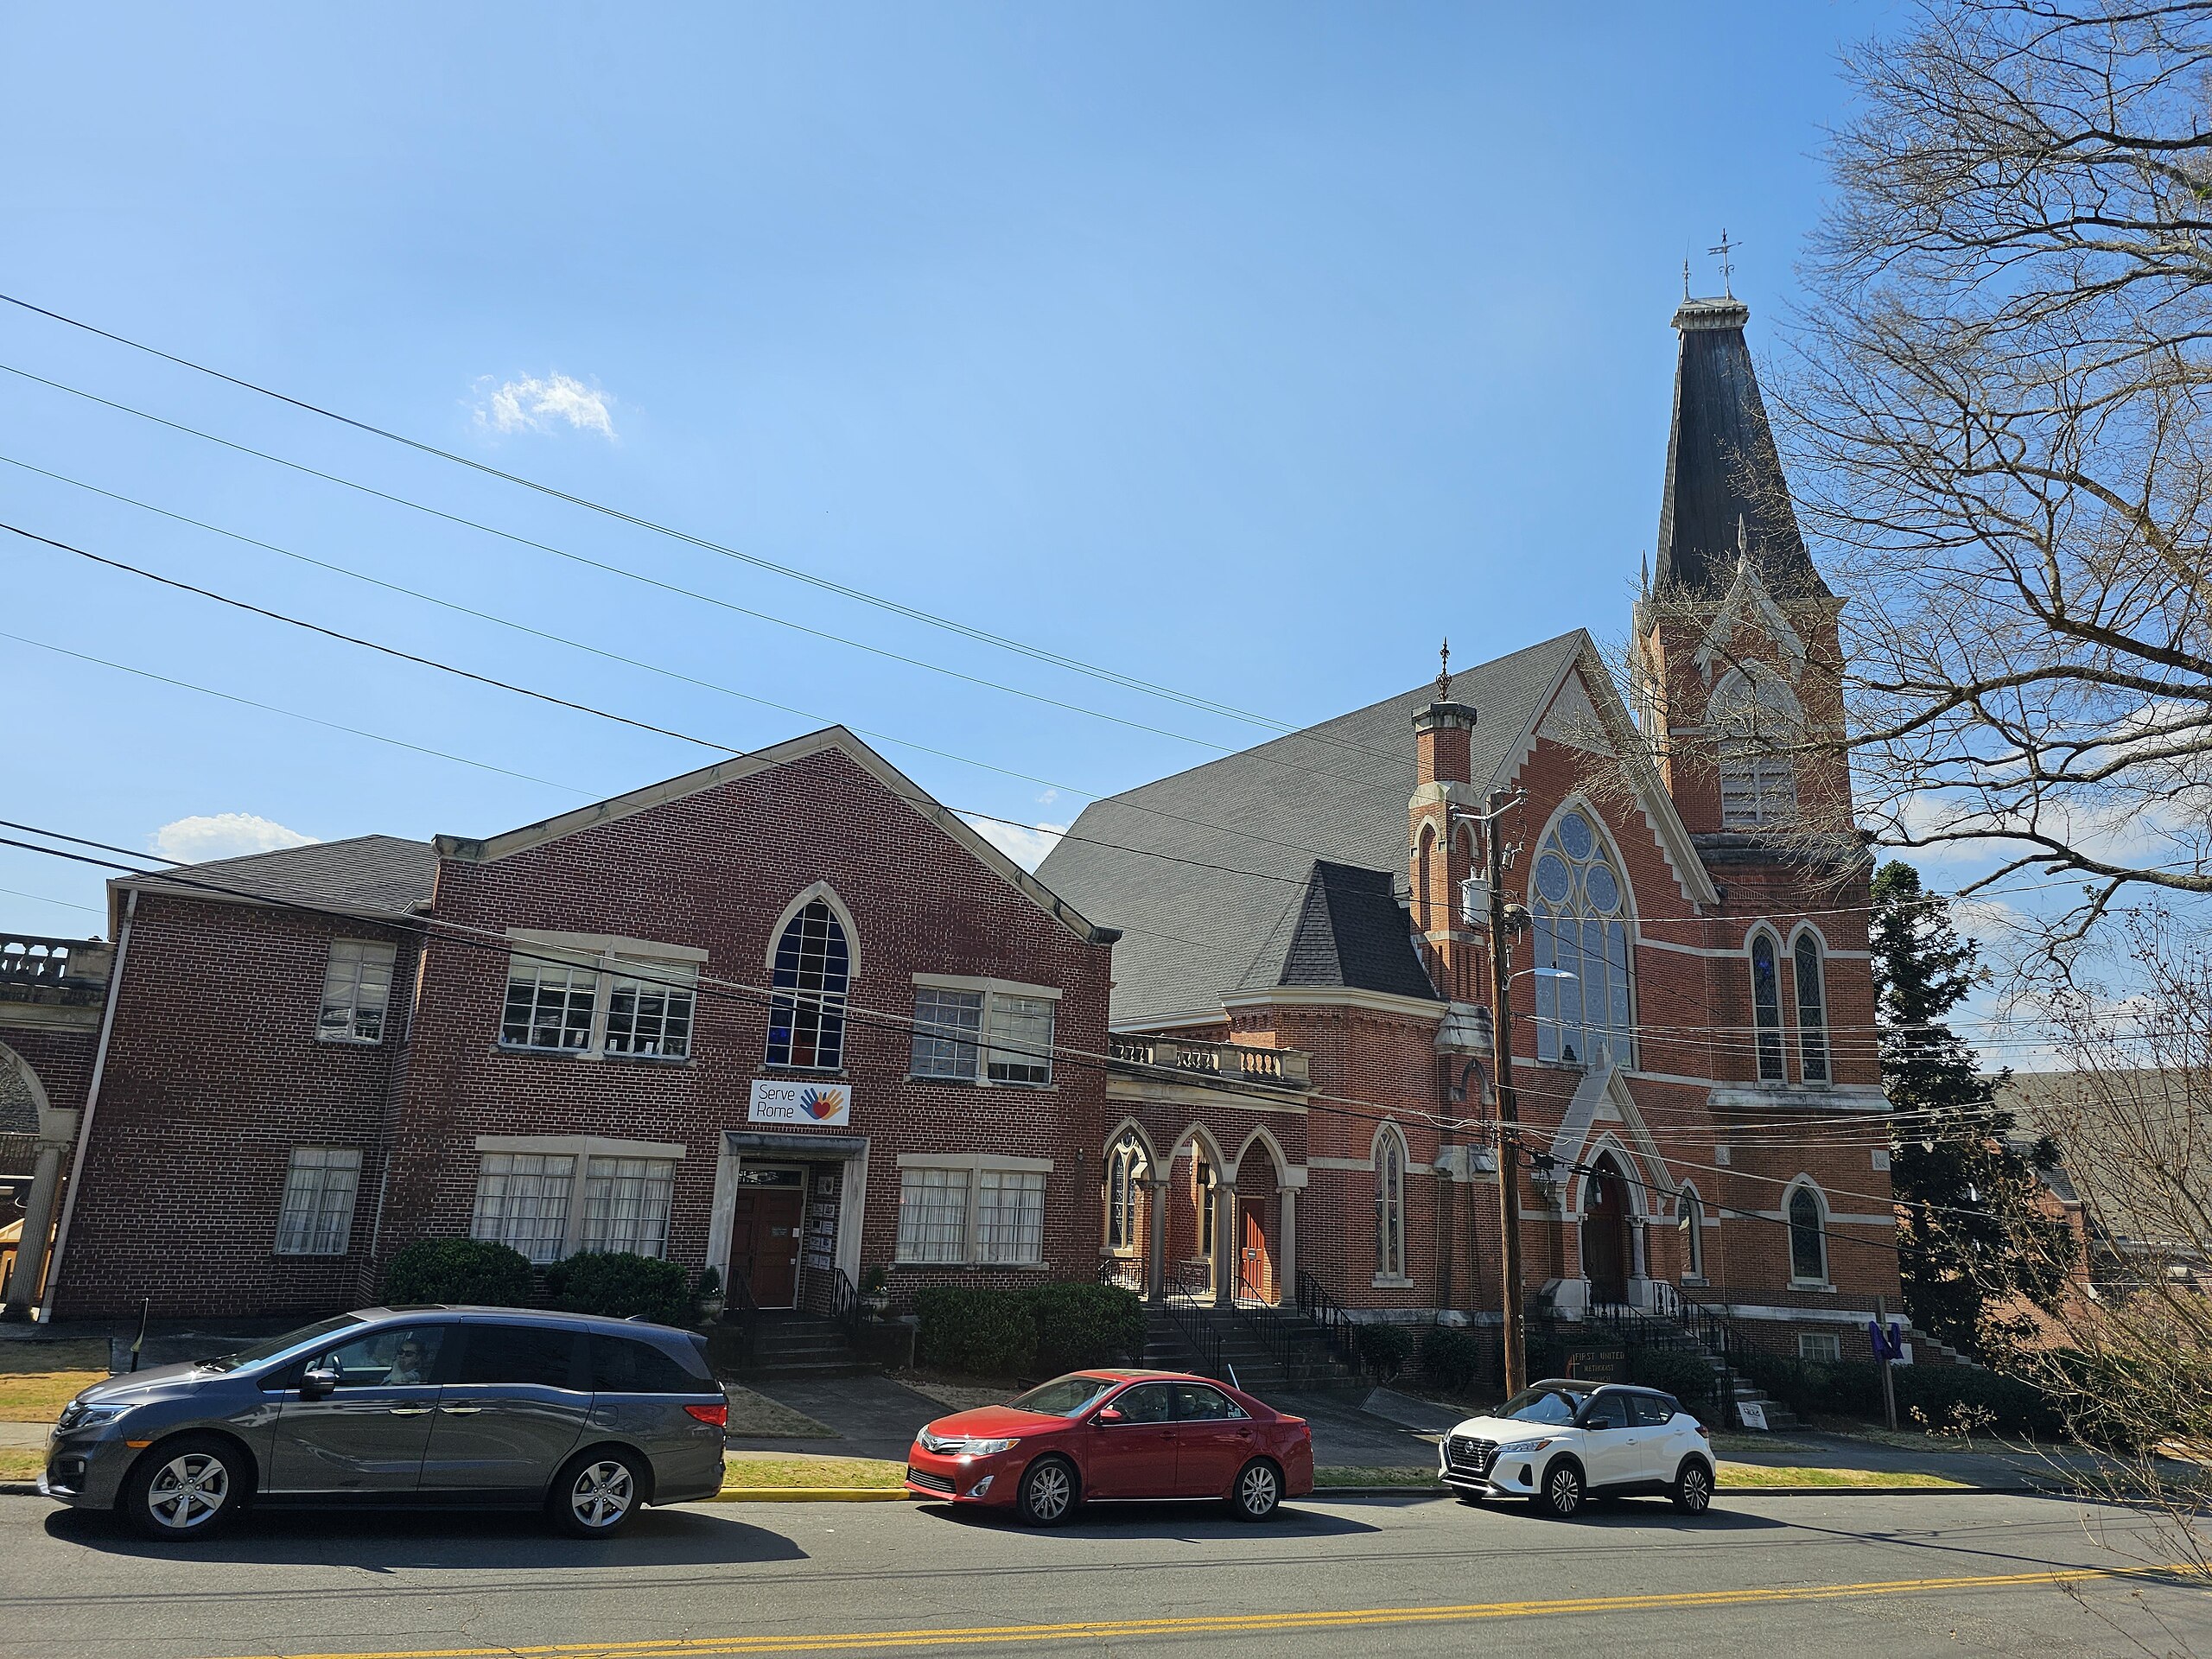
<point>1689,1213</point>
<point>806,1016</point>
<point>1126,1169</point>
<point>1390,1204</point>
<point>1812,1011</point>
<point>1808,1242</point>
<point>1756,720</point>
<point>1766,1008</point>
<point>1585,994</point>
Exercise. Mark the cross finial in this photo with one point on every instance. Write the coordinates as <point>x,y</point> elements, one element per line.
<point>1444,673</point>
<point>1686,279</point>
<point>1724,248</point>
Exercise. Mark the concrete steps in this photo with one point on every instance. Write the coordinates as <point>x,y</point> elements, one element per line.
<point>797,1344</point>
<point>1248,1362</point>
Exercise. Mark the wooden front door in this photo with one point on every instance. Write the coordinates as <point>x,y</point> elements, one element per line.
<point>1604,1237</point>
<point>764,1244</point>
<point>1255,1267</point>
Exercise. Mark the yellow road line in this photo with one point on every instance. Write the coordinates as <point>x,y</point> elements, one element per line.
<point>1246,1624</point>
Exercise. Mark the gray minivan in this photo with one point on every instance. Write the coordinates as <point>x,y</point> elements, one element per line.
<point>451,1407</point>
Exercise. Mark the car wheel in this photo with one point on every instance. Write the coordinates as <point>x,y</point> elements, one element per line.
<point>188,1489</point>
<point>596,1493</point>
<point>1258,1491</point>
<point>1560,1496</point>
<point>1048,1492</point>
<point>1693,1488</point>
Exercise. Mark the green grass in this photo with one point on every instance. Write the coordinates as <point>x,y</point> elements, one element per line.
<point>1353,1475</point>
<point>38,1396</point>
<point>796,1472</point>
<point>1740,1477</point>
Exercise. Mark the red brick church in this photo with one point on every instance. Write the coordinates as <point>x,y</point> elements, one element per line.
<point>1306,939</point>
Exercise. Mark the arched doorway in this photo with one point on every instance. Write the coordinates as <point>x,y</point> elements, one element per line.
<point>1604,1232</point>
<point>1257,1197</point>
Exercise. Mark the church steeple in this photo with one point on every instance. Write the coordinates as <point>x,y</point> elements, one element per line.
<point>1725,493</point>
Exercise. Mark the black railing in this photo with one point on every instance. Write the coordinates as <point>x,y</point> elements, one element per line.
<point>845,1304</point>
<point>1197,1333</point>
<point>1126,1271</point>
<point>1679,1321</point>
<point>1191,1282</point>
<point>742,1314</point>
<point>1326,1311</point>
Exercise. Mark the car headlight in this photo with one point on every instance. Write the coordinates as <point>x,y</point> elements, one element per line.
<point>76,1416</point>
<point>985,1448</point>
<point>1524,1448</point>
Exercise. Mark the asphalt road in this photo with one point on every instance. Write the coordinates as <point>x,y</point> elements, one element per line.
<point>1861,1576</point>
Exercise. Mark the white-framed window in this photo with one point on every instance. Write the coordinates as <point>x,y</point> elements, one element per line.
<point>550,1000</point>
<point>1586,994</point>
<point>1808,1238</point>
<point>1825,1347</point>
<point>649,1007</point>
<point>356,991</point>
<point>1689,1214</point>
<point>626,1201</point>
<point>592,996</point>
<point>1390,1204</point>
<point>317,1216</point>
<point>956,1212</point>
<point>812,973</point>
<point>983,1031</point>
<point>521,1201</point>
<point>1757,722</point>
<point>1766,1008</point>
<point>1812,1010</point>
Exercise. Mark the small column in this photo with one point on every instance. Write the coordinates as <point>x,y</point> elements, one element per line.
<point>1638,1268</point>
<point>1155,1260</point>
<point>1225,1242</point>
<point>1286,1249</point>
<point>38,1224</point>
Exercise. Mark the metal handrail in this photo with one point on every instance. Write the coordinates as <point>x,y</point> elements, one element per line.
<point>742,1313</point>
<point>1199,1335</point>
<point>1315,1302</point>
<point>1191,1282</point>
<point>845,1307</point>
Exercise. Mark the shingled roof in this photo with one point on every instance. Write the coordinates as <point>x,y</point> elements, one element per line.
<point>1724,474</point>
<point>361,874</point>
<point>1211,872</point>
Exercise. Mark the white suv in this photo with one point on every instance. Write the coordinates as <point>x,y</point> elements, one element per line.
<point>1560,1443</point>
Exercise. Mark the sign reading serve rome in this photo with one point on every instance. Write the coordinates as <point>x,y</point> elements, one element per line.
<point>825,1103</point>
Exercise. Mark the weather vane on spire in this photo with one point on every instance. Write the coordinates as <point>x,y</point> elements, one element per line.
<point>1727,265</point>
<point>1444,673</point>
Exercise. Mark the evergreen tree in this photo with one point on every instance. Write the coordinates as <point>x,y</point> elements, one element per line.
<point>1962,1186</point>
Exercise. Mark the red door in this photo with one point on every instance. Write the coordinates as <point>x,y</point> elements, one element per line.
<point>764,1244</point>
<point>1604,1237</point>
<point>1136,1456</point>
<point>1256,1266</point>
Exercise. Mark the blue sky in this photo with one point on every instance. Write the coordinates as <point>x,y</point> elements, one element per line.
<point>1243,348</point>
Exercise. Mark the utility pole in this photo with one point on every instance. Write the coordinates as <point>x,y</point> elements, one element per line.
<point>1508,1111</point>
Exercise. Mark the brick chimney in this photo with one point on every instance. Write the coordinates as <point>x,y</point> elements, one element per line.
<point>1439,851</point>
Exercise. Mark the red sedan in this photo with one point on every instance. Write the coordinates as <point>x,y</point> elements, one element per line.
<point>1115,1434</point>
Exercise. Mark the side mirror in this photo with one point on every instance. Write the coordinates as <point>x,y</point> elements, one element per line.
<point>1107,1416</point>
<point>318,1381</point>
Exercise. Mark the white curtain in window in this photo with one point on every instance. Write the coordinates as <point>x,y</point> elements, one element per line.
<point>1010,1217</point>
<point>626,1201</point>
<point>521,1201</point>
<point>317,1216</point>
<point>932,1215</point>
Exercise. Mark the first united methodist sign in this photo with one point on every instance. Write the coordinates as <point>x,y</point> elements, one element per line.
<point>775,1102</point>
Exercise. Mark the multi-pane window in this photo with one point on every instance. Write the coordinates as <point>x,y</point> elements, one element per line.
<point>806,1015</point>
<point>932,1215</point>
<point>1010,1216</point>
<point>947,1026</point>
<point>1757,722</point>
<point>1585,994</point>
<point>317,1216</point>
<point>626,1201</point>
<point>1812,1012</point>
<point>356,990</point>
<point>550,1001</point>
<point>522,1201</point>
<point>649,1007</point>
<point>1389,1205</point>
<point>1808,1244</point>
<point>1766,1008</point>
<point>1021,1038</point>
<point>1125,1172</point>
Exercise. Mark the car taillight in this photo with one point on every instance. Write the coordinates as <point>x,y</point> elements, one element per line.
<point>718,1415</point>
<point>1702,1430</point>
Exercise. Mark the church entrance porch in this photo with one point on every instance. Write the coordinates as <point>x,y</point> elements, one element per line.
<point>1605,1250</point>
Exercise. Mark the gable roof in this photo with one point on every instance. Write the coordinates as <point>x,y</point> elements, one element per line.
<point>361,876</point>
<point>1204,870</point>
<point>620,807</point>
<point>1350,931</point>
<point>1723,470</point>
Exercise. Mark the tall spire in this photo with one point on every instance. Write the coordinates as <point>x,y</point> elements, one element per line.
<point>1726,495</point>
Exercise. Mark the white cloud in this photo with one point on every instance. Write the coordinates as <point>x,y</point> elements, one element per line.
<point>1025,845</point>
<point>532,404</point>
<point>224,835</point>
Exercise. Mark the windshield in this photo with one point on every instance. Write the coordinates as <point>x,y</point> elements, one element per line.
<point>1541,1405</point>
<point>1064,1396</point>
<point>269,1347</point>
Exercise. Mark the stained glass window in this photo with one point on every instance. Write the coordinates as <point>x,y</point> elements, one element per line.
<point>1585,981</point>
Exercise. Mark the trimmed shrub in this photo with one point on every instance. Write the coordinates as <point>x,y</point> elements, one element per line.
<point>619,1285</point>
<point>465,1270</point>
<point>1451,1358</point>
<point>1944,1396</point>
<point>1686,1376</point>
<point>1384,1349</point>
<point>984,1332</point>
<point>1079,1324</point>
